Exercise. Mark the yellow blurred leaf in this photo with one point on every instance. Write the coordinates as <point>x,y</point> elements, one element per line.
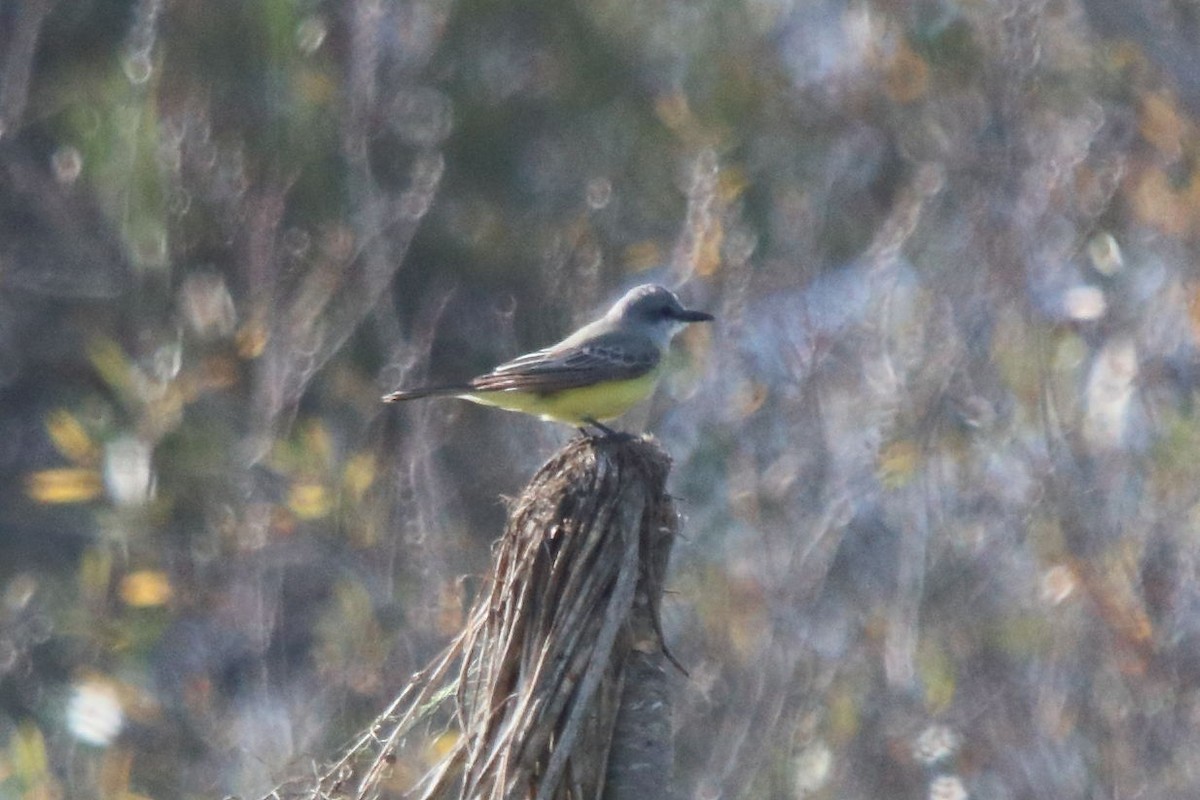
<point>731,183</point>
<point>707,256</point>
<point>1161,124</point>
<point>843,714</point>
<point>673,110</point>
<point>251,339</point>
<point>749,398</point>
<point>898,462</point>
<point>352,648</point>
<point>642,256</point>
<point>1022,634</point>
<point>937,673</point>
<point>441,745</point>
<point>215,373</point>
<point>145,588</point>
<point>358,475</point>
<point>65,485</point>
<point>27,753</point>
<point>164,413</point>
<point>318,442</point>
<point>71,439</point>
<point>746,618</point>
<point>1126,56</point>
<point>1174,455</point>
<point>309,500</point>
<point>109,360</point>
<point>1156,201</point>
<point>1111,580</point>
<point>315,87</point>
<point>115,772</point>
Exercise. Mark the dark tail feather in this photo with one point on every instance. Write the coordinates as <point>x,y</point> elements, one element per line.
<point>424,391</point>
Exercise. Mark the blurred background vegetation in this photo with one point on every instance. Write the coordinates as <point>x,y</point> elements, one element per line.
<point>936,458</point>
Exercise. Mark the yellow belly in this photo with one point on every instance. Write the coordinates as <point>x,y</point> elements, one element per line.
<point>600,402</point>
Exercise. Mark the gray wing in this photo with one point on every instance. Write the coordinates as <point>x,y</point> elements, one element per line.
<point>608,357</point>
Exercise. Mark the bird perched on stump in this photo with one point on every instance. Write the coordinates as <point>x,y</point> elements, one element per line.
<point>594,375</point>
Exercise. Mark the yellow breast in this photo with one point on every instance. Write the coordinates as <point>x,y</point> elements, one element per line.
<point>600,402</point>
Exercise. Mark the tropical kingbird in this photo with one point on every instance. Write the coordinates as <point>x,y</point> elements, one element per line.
<point>596,374</point>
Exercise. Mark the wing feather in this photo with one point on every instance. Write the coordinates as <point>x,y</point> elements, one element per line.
<point>608,357</point>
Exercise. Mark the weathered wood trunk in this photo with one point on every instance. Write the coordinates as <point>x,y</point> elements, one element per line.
<point>564,679</point>
<point>558,683</point>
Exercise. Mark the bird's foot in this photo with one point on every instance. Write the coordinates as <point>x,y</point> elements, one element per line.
<point>606,433</point>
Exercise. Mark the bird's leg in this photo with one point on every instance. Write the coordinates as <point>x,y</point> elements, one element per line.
<point>600,426</point>
<point>607,432</point>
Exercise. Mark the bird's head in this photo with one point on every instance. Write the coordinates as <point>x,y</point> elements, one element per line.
<point>654,310</point>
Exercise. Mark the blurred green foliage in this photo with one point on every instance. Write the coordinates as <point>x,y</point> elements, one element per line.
<point>936,460</point>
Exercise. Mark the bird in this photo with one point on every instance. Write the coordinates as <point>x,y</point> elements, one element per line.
<point>592,376</point>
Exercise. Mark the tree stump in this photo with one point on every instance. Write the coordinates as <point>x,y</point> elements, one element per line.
<point>560,691</point>
<point>564,684</point>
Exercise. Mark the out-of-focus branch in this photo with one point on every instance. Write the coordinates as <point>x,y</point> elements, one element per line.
<point>16,61</point>
<point>359,261</point>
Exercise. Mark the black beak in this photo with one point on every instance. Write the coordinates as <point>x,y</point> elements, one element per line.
<point>685,315</point>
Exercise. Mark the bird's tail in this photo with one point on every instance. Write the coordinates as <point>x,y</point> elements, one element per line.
<point>424,391</point>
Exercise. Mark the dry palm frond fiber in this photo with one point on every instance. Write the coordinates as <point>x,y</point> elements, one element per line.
<point>557,685</point>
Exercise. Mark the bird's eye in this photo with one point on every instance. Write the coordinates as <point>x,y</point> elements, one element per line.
<point>665,312</point>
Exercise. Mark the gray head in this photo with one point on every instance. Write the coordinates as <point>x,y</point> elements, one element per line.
<point>654,310</point>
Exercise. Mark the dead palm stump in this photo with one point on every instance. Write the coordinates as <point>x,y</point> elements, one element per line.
<point>549,707</point>
<point>560,689</point>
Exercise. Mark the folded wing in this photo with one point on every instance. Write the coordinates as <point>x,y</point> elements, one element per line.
<point>608,357</point>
